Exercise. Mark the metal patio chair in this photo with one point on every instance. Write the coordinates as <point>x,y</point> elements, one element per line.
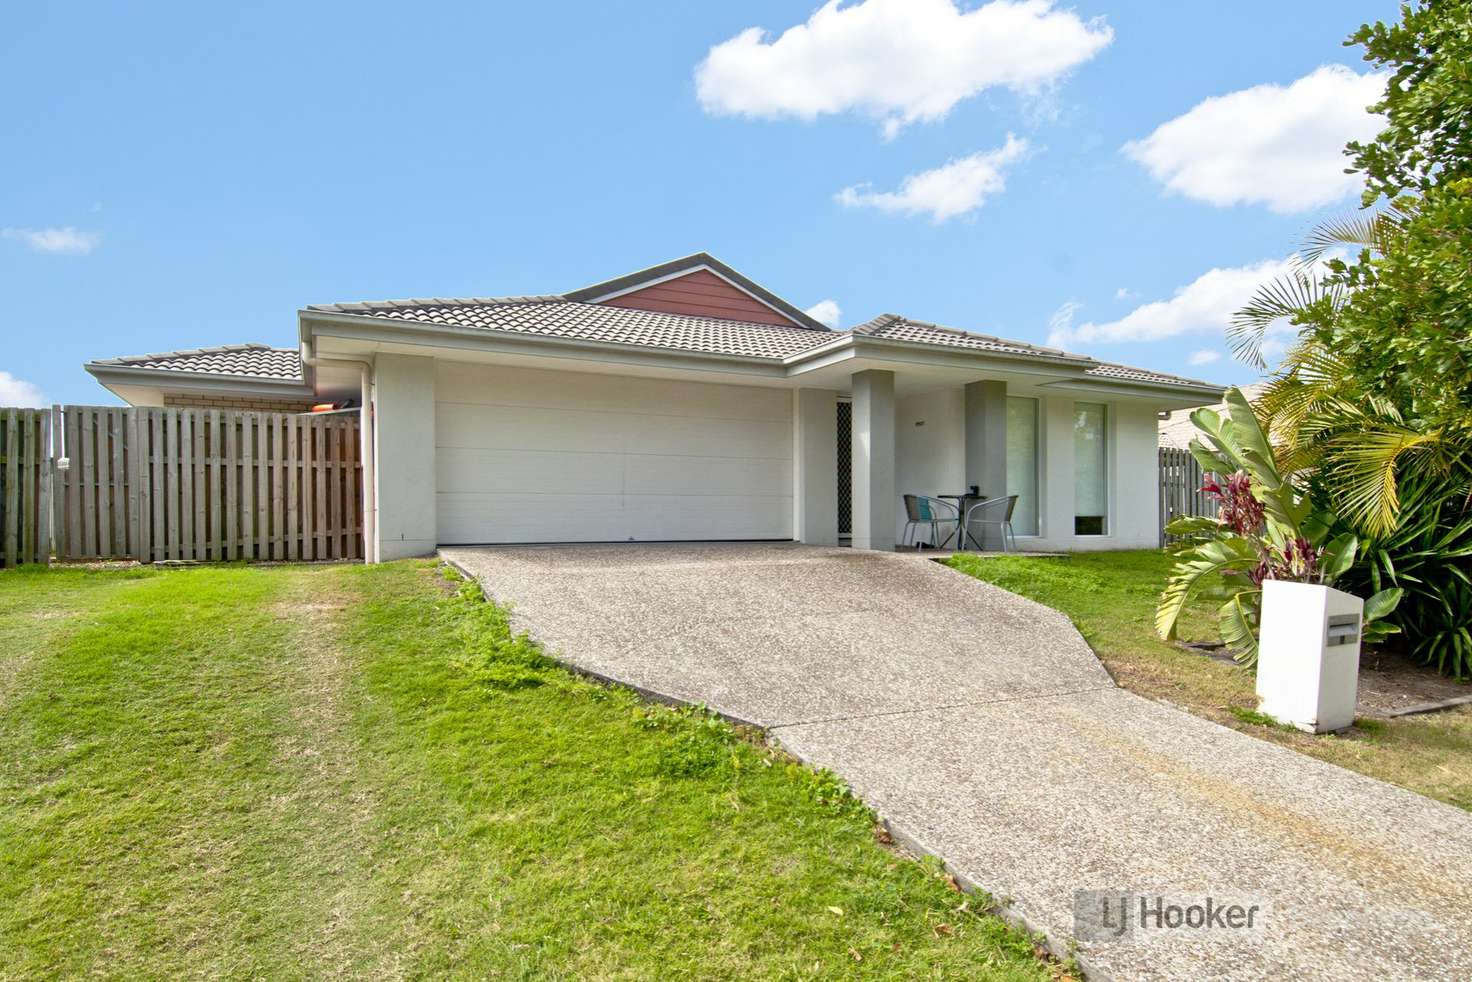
<point>993,511</point>
<point>923,510</point>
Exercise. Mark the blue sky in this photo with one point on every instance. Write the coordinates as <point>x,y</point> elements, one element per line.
<point>185,175</point>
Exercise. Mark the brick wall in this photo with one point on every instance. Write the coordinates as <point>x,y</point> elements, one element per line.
<point>232,402</point>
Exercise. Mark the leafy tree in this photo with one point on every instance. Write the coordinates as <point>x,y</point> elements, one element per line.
<point>1370,414</point>
<point>1378,387</point>
<point>1428,101</point>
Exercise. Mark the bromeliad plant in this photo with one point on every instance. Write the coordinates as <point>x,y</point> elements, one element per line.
<point>1266,529</point>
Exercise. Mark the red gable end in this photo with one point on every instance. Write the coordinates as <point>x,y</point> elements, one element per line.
<point>704,294</point>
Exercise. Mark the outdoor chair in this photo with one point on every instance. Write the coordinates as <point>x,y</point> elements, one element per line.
<point>923,511</point>
<point>993,511</point>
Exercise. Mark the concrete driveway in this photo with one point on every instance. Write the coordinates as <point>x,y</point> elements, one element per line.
<point>983,729</point>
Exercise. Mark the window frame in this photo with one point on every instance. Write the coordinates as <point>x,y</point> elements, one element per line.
<point>1107,470</point>
<point>1038,426</point>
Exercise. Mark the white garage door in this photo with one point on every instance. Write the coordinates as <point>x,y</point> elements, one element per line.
<point>538,456</point>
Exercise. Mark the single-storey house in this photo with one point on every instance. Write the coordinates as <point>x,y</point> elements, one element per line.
<point>687,402</point>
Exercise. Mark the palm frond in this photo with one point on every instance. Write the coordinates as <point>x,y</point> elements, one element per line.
<point>1365,464</point>
<point>1373,230</point>
<point>1289,297</point>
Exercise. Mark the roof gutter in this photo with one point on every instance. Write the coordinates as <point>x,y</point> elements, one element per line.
<point>366,441</point>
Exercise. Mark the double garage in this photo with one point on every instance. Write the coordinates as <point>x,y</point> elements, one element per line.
<point>533,455</point>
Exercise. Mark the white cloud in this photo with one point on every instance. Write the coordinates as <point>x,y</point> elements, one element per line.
<point>957,187</point>
<point>1203,306</point>
<point>56,240</point>
<point>825,312</point>
<point>1125,293</point>
<point>1204,357</point>
<point>16,392</point>
<point>1270,144</point>
<point>896,61</point>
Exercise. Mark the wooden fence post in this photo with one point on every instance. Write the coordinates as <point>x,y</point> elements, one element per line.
<point>11,477</point>
<point>44,507</point>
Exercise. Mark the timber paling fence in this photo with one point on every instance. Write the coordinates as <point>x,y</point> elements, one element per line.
<point>1181,496</point>
<point>187,484</point>
<point>25,486</point>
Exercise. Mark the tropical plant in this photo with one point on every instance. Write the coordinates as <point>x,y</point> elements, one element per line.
<point>1429,556</point>
<point>1266,529</point>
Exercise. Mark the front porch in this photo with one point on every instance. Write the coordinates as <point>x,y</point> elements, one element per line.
<point>1082,464</point>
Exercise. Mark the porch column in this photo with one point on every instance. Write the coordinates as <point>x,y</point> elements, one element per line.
<point>874,502</point>
<point>815,466</point>
<point>986,442</point>
<point>405,476</point>
<point>986,437</point>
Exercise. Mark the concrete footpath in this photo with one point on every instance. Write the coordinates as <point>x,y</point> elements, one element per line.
<point>983,729</point>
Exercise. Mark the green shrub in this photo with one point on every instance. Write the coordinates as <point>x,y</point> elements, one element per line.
<point>1429,557</point>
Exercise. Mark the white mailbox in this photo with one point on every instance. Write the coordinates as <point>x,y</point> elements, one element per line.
<point>1308,662</point>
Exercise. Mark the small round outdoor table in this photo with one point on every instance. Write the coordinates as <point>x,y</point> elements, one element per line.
<point>961,533</point>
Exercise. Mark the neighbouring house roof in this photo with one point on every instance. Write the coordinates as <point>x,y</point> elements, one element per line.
<point>1178,431</point>
<point>253,361</point>
<point>236,370</point>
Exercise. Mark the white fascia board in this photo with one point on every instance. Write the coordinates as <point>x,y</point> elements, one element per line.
<point>1180,396</point>
<point>930,356</point>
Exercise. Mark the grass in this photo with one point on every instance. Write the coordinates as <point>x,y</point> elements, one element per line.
<point>346,771</point>
<point>1111,598</point>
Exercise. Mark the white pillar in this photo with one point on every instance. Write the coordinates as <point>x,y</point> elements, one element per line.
<point>405,455</point>
<point>873,460</point>
<point>986,447</point>
<point>986,437</point>
<point>815,466</point>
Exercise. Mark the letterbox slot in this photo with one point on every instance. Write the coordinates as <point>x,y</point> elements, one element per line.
<point>1343,629</point>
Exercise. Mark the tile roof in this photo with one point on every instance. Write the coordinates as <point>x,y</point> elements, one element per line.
<point>251,360</point>
<point>556,317</point>
<point>1124,373</point>
<point>896,328</point>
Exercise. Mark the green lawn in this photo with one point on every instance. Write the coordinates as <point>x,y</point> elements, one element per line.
<point>1111,598</point>
<point>356,771</point>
